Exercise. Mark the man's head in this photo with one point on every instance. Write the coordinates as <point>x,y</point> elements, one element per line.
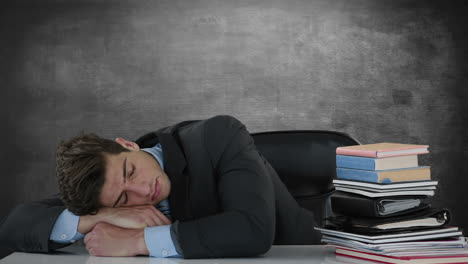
<point>94,172</point>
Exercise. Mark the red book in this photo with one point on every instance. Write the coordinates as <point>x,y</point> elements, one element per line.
<point>381,150</point>
<point>422,259</point>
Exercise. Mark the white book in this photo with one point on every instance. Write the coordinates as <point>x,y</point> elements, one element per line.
<point>423,188</point>
<point>384,194</point>
<point>416,233</point>
<point>427,222</point>
<point>411,238</point>
<point>379,239</point>
<point>386,186</point>
<point>392,248</point>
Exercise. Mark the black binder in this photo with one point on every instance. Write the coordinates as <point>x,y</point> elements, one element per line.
<point>403,223</point>
<point>361,206</point>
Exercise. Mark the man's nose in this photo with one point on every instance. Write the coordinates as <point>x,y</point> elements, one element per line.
<point>139,188</point>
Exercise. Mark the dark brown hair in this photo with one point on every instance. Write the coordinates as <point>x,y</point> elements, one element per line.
<point>80,170</point>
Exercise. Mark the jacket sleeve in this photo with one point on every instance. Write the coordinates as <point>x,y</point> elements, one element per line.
<point>28,226</point>
<point>246,224</point>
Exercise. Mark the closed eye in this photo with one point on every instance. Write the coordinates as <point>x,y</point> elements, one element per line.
<point>128,176</point>
<point>124,176</point>
<point>126,198</point>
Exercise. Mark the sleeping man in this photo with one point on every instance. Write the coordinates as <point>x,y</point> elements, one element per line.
<point>198,189</point>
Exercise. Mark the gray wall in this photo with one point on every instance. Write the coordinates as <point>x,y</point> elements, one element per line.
<point>379,70</point>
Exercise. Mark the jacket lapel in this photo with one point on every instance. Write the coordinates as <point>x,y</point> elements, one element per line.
<point>174,164</point>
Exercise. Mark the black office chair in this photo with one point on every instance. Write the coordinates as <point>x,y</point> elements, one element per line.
<point>305,160</point>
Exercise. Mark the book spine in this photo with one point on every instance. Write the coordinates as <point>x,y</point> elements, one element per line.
<point>357,175</point>
<point>385,176</point>
<point>353,152</point>
<point>410,174</point>
<point>354,162</point>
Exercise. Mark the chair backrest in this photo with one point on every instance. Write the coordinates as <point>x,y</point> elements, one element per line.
<point>305,160</point>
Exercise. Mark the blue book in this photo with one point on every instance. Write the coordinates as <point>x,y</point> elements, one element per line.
<point>365,163</point>
<point>422,173</point>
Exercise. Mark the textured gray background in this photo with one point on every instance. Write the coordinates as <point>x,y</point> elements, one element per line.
<point>378,70</point>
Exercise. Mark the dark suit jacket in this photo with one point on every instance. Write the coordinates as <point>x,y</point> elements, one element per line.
<point>226,199</point>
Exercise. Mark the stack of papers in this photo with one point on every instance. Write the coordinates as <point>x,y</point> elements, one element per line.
<point>380,212</point>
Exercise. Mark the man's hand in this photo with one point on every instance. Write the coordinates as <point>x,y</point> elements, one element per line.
<point>109,240</point>
<point>126,217</point>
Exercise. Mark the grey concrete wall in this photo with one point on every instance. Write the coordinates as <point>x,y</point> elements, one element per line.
<point>379,70</point>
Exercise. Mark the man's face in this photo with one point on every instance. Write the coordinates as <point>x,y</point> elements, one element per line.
<point>133,178</point>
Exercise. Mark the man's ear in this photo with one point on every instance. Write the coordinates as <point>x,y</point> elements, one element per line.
<point>130,145</point>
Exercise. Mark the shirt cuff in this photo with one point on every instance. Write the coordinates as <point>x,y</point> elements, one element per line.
<point>65,229</point>
<point>159,242</point>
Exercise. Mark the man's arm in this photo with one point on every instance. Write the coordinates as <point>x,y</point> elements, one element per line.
<point>69,228</point>
<point>109,240</point>
<point>27,227</point>
<point>65,229</point>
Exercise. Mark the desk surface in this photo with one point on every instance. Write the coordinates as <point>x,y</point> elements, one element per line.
<point>277,254</point>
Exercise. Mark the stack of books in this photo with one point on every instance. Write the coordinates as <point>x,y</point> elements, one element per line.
<point>380,208</point>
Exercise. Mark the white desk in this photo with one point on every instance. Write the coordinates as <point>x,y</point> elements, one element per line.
<point>277,254</point>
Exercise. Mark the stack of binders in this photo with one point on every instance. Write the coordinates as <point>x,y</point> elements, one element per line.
<point>381,212</point>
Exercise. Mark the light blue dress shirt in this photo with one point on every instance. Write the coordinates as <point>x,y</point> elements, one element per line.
<point>158,238</point>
